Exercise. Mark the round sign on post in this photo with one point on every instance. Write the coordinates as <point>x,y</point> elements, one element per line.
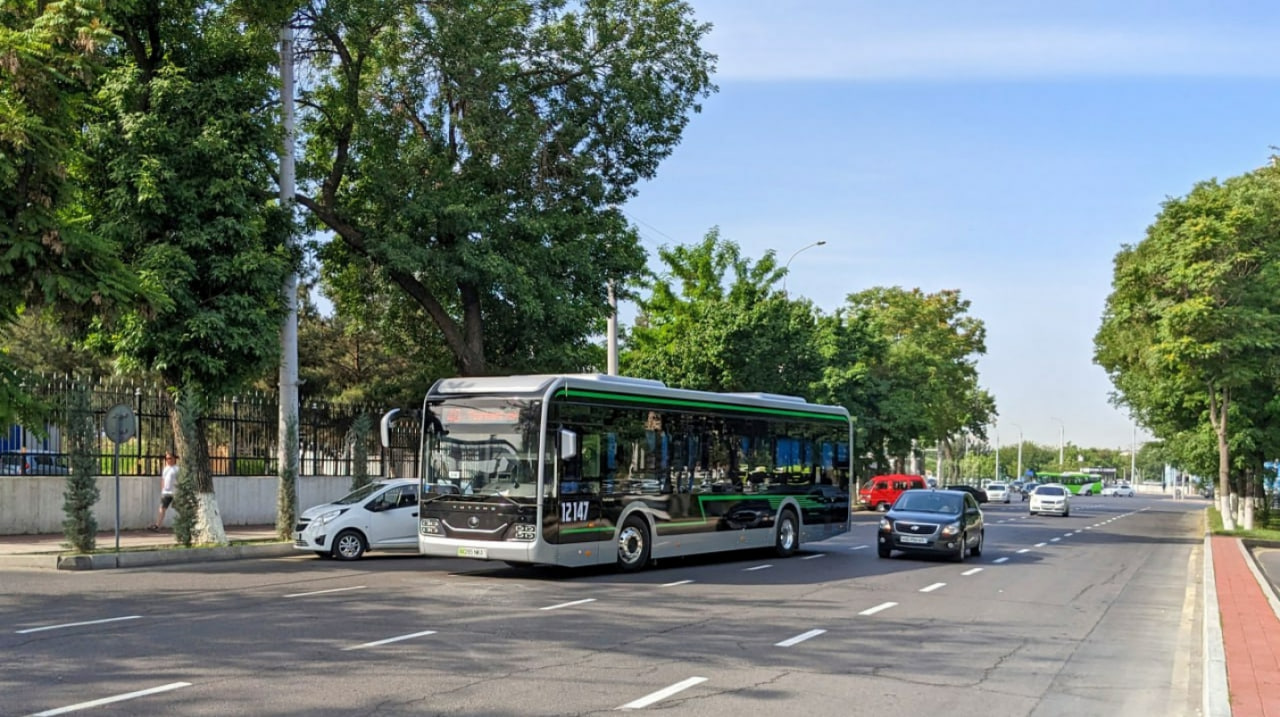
<point>122,423</point>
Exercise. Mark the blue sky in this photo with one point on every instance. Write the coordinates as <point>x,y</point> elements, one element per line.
<point>1005,149</point>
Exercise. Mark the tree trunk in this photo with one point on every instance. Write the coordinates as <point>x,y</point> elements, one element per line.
<point>1218,418</point>
<point>191,443</point>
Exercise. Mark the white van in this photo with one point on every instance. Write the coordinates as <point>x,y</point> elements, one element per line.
<point>379,516</point>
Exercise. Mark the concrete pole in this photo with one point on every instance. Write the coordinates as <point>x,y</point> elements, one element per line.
<point>613,331</point>
<point>288,440</point>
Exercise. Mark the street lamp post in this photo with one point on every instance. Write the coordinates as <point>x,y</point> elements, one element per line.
<point>997,437</point>
<point>787,266</point>
<point>1018,475</point>
<point>1062,435</point>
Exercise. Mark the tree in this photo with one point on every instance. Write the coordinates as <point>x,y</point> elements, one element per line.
<point>715,322</point>
<point>926,378</point>
<point>49,57</point>
<point>1191,329</point>
<point>472,156</point>
<point>181,144</point>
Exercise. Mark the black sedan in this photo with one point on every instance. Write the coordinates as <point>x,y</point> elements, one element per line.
<point>945,522</point>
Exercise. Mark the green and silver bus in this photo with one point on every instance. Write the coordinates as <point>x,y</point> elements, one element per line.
<point>1078,482</point>
<point>579,470</point>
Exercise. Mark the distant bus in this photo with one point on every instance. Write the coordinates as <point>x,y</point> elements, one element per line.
<point>578,470</point>
<point>1078,482</point>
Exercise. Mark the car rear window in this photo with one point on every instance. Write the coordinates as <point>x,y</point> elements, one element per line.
<point>996,486</point>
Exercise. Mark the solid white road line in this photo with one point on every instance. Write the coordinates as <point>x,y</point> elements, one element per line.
<point>878,608</point>
<point>1001,560</point>
<point>390,640</point>
<point>77,624</point>
<point>931,588</point>
<point>799,638</point>
<point>758,567</point>
<point>322,592</point>
<point>662,694</point>
<point>568,604</point>
<point>113,699</point>
<point>678,582</point>
<point>972,571</point>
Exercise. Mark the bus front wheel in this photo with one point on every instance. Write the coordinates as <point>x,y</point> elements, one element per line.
<point>633,545</point>
<point>788,540</point>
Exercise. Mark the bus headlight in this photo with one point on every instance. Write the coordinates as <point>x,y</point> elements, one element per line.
<point>429,526</point>
<point>525,531</point>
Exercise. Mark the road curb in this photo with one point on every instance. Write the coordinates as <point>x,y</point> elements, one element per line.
<point>144,558</point>
<point>1263,582</point>
<point>1217,698</point>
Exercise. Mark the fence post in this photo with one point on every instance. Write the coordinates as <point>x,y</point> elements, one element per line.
<point>137,411</point>
<point>235,422</point>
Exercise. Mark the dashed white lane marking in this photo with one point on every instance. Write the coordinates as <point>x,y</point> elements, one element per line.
<point>799,638</point>
<point>662,694</point>
<point>322,592</point>
<point>568,604</point>
<point>1054,540</point>
<point>1002,560</point>
<point>1041,545</point>
<point>878,608</point>
<point>815,555</point>
<point>972,571</point>
<point>858,547</point>
<point>758,567</point>
<point>390,640</point>
<point>931,588</point>
<point>1024,550</point>
<point>678,582</point>
<point>112,699</point>
<point>77,624</point>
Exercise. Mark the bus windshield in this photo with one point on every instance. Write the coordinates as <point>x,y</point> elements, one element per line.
<point>484,447</point>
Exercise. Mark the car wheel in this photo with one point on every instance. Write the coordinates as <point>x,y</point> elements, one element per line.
<point>884,551</point>
<point>964,548</point>
<point>633,545</point>
<point>787,541</point>
<point>1066,513</point>
<point>977,549</point>
<point>349,545</point>
<point>882,506</point>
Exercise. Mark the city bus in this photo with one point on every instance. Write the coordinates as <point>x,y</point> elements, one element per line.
<point>578,470</point>
<point>1078,482</point>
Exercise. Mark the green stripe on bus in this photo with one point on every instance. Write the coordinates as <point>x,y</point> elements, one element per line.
<point>686,403</point>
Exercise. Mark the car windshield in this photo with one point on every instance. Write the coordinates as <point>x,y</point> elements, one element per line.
<point>1049,490</point>
<point>360,493</point>
<point>929,502</point>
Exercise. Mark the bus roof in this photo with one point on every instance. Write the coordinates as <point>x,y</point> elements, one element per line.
<point>599,385</point>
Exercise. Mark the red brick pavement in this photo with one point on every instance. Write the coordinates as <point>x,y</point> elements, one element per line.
<point>1250,634</point>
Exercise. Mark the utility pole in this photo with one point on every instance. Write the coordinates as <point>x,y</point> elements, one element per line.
<point>612,339</point>
<point>288,439</point>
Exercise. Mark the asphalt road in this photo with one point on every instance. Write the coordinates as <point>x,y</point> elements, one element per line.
<point>1096,614</point>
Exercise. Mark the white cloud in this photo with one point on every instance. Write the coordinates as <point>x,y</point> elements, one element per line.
<point>826,41</point>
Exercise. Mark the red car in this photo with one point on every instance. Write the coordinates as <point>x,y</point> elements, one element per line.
<point>881,491</point>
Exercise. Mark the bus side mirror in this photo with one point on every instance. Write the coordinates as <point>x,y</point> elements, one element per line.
<point>387,419</point>
<point>568,444</point>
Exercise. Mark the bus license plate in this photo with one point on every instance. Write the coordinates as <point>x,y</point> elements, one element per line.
<point>473,553</point>
<point>913,539</point>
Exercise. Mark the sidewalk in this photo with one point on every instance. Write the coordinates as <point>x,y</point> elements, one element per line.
<point>137,548</point>
<point>1250,634</point>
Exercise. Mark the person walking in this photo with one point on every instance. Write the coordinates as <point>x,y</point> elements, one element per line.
<point>168,484</point>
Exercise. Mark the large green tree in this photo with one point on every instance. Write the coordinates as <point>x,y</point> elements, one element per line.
<point>50,55</point>
<point>470,158</point>
<point>715,321</point>
<point>1191,331</point>
<point>182,142</point>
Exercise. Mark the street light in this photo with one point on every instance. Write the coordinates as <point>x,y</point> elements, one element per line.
<point>1062,434</point>
<point>787,266</point>
<point>1018,476</point>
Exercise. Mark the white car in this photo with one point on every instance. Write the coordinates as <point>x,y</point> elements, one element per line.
<point>998,492</point>
<point>1051,498</point>
<point>379,516</point>
<point>1123,490</point>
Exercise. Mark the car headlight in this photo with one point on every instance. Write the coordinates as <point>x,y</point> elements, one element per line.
<point>950,529</point>
<point>886,525</point>
<point>328,516</point>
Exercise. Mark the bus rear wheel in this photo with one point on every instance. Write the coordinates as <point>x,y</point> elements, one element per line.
<point>633,545</point>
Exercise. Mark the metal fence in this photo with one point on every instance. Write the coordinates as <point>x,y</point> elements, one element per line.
<point>242,432</point>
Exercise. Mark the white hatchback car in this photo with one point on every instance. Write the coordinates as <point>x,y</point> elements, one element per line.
<point>379,516</point>
<point>998,492</point>
<point>1051,498</point>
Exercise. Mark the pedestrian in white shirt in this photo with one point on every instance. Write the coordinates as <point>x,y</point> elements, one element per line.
<point>168,484</point>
